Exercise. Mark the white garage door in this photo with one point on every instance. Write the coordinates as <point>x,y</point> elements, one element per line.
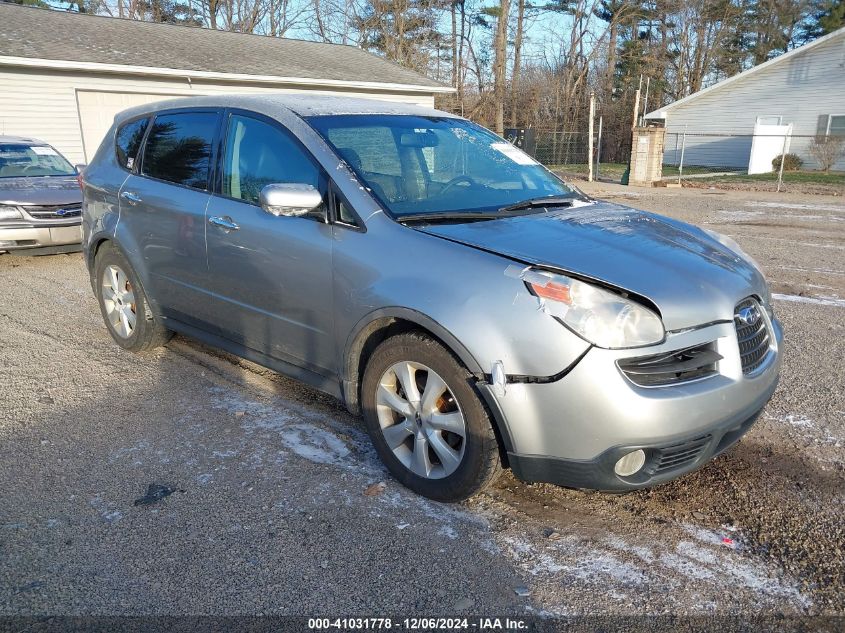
<point>97,110</point>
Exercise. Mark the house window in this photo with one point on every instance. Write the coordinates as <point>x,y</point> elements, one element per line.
<point>831,125</point>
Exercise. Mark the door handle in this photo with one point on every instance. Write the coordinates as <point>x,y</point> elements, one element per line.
<point>224,223</point>
<point>131,198</point>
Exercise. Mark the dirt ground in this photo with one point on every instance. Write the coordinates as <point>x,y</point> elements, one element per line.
<point>268,513</point>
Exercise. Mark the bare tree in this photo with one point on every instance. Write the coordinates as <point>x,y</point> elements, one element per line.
<point>500,48</point>
<point>826,150</point>
<point>517,59</point>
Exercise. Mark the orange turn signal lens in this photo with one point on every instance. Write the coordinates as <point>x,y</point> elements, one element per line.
<point>553,291</point>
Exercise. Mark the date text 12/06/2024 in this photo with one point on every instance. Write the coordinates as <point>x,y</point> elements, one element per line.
<point>418,624</point>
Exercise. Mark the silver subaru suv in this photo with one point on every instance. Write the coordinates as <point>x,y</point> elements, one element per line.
<point>476,310</point>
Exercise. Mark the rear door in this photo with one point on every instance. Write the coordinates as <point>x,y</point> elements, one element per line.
<point>272,276</point>
<point>165,208</point>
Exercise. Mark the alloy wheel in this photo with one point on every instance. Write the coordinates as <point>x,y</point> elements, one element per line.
<point>421,420</point>
<point>119,301</point>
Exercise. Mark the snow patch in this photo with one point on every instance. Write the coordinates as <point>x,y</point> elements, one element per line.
<point>314,444</point>
<point>793,420</point>
<point>797,205</point>
<point>742,571</point>
<point>618,565</point>
<point>791,242</point>
<point>802,269</point>
<point>587,563</point>
<point>685,567</point>
<point>821,301</point>
<point>731,215</point>
<point>607,564</point>
<point>812,430</point>
<point>107,514</point>
<point>448,531</point>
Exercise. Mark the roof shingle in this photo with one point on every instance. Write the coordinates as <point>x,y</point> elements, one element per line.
<point>60,35</point>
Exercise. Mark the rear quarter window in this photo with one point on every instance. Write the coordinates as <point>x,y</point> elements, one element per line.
<point>178,148</point>
<point>128,142</point>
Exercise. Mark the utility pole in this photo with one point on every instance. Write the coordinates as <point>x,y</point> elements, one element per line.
<point>590,144</point>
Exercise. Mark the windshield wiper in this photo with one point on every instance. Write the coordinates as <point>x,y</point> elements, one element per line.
<point>503,212</point>
<point>546,201</point>
<point>465,216</point>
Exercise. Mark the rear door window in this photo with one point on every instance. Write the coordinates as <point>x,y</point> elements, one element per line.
<point>128,142</point>
<point>178,148</point>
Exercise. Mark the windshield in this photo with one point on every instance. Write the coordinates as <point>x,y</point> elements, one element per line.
<point>433,165</point>
<point>20,159</point>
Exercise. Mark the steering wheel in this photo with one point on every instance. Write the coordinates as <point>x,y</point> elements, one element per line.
<point>456,180</point>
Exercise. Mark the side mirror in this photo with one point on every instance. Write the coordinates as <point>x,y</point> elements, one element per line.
<point>292,200</point>
<point>80,167</point>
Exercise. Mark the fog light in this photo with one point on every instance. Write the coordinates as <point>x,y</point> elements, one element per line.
<point>630,463</point>
<point>8,243</point>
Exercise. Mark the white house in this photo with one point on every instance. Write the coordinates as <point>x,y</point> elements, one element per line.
<point>63,75</point>
<point>803,88</point>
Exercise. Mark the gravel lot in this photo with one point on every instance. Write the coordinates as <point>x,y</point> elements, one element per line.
<point>269,512</point>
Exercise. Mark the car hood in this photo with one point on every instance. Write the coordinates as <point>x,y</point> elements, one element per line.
<point>692,278</point>
<point>40,190</point>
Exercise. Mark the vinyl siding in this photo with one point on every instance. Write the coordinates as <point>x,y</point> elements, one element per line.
<point>800,89</point>
<point>43,103</point>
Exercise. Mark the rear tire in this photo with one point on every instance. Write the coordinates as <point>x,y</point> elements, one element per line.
<point>426,419</point>
<point>124,305</point>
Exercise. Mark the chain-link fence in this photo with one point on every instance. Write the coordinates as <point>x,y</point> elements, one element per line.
<point>699,158</point>
<point>568,152</point>
<point>747,158</point>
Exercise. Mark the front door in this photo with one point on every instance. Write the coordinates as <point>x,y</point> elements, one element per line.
<point>165,208</point>
<point>272,276</point>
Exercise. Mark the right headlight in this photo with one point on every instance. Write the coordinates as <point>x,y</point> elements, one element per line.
<point>9,213</point>
<point>603,318</point>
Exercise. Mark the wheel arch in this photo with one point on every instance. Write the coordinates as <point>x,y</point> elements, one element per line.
<point>381,324</point>
<point>96,247</point>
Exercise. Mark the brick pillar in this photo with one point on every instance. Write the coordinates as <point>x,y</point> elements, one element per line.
<point>646,156</point>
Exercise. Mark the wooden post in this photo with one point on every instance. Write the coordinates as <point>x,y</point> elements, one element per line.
<point>636,109</point>
<point>783,155</point>
<point>590,144</point>
<point>598,149</point>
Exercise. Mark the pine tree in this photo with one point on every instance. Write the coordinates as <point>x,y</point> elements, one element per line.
<point>827,17</point>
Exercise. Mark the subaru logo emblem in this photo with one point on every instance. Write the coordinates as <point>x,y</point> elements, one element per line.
<point>62,212</point>
<point>748,315</point>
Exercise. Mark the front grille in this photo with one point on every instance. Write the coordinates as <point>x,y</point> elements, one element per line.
<point>753,337</point>
<point>677,456</point>
<point>54,211</point>
<point>670,368</point>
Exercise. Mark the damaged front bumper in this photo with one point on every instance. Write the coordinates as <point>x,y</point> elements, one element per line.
<point>572,431</point>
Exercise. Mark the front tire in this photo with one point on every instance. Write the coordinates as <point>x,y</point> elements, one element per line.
<point>124,305</point>
<point>426,419</point>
